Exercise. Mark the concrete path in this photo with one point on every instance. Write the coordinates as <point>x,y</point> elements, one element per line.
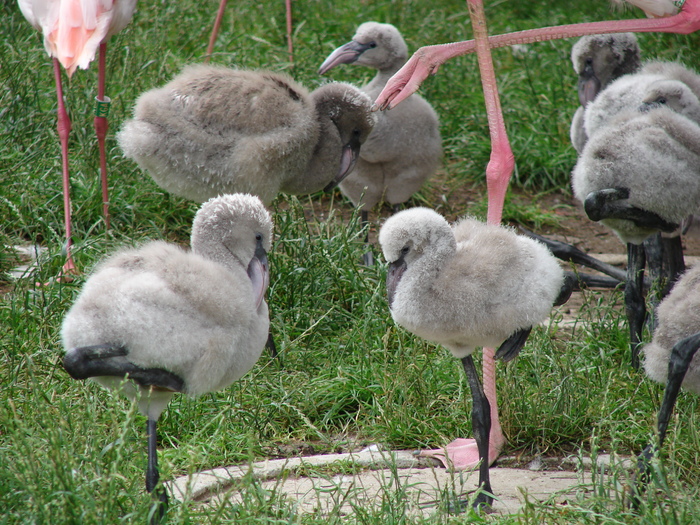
<point>338,482</point>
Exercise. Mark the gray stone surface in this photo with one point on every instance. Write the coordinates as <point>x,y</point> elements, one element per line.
<point>337,482</point>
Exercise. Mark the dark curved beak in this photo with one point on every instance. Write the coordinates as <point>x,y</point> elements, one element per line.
<point>345,54</point>
<point>588,85</point>
<point>259,273</point>
<point>393,277</point>
<point>610,203</point>
<point>348,159</point>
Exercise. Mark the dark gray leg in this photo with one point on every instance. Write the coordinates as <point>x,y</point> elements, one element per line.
<point>681,356</point>
<point>270,344</point>
<point>654,255</point>
<point>481,425</point>
<point>569,253</point>
<point>367,257</point>
<point>152,475</point>
<point>634,298</point>
<point>665,263</point>
<point>673,264</point>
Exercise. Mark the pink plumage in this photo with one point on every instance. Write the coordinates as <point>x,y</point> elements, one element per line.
<point>654,8</point>
<point>72,31</point>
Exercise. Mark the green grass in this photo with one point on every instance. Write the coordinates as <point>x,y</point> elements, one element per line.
<point>73,453</point>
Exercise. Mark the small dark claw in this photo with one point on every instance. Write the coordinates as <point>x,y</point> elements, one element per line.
<point>640,478</point>
<point>483,502</point>
<point>511,347</point>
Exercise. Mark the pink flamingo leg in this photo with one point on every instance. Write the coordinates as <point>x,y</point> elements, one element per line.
<point>498,172</point>
<point>500,166</point>
<point>215,29</point>
<point>426,60</point>
<point>464,453</point>
<point>64,127</point>
<point>220,16</point>
<point>290,46</point>
<point>101,127</point>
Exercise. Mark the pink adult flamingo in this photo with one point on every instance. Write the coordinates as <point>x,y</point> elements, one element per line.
<point>220,16</point>
<point>73,30</point>
<point>426,61</point>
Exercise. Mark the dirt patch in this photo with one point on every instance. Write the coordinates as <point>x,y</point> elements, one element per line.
<point>454,200</point>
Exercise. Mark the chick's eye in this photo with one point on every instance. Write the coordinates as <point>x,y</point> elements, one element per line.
<point>405,250</point>
<point>661,100</point>
<point>258,237</point>
<point>372,45</point>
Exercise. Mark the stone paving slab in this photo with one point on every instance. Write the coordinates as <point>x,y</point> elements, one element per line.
<point>337,482</point>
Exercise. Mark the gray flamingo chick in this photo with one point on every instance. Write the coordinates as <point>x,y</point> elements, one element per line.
<point>638,174</point>
<point>156,320</point>
<point>214,130</point>
<point>469,286</point>
<point>672,357</point>
<point>405,147</point>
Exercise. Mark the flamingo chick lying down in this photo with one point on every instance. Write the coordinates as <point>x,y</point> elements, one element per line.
<point>214,130</point>
<point>467,286</point>
<point>172,320</point>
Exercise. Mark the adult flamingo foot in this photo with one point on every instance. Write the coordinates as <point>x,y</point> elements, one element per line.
<point>68,271</point>
<point>67,275</point>
<point>463,454</point>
